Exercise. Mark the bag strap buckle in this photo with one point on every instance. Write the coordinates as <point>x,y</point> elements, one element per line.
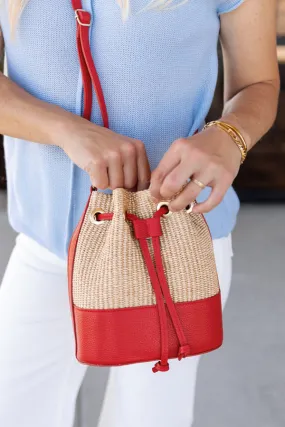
<point>84,14</point>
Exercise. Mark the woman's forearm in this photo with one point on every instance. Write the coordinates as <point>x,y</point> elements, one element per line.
<point>95,149</point>
<point>251,75</point>
<point>26,117</point>
<point>211,157</point>
<point>253,110</point>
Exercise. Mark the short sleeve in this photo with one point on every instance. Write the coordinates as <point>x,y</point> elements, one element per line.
<point>228,6</point>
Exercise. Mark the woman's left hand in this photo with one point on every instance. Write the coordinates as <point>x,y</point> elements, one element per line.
<point>211,157</point>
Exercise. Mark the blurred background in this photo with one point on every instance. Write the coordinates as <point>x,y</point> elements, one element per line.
<point>243,383</point>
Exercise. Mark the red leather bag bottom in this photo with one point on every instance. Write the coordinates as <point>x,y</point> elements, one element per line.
<point>131,335</point>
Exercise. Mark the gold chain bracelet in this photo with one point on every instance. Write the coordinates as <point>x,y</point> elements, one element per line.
<point>234,133</point>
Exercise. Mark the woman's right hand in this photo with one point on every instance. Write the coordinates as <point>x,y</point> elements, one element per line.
<point>111,160</point>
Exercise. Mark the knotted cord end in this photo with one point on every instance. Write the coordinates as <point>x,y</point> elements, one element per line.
<point>158,367</point>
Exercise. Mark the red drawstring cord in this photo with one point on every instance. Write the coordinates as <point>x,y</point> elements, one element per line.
<point>184,348</point>
<point>151,228</point>
<point>163,364</point>
<point>88,69</point>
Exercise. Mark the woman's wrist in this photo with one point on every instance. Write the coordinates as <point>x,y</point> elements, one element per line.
<point>61,125</point>
<point>235,121</point>
<point>235,135</point>
<point>223,144</point>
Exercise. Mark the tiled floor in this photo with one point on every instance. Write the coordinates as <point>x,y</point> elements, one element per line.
<point>242,384</point>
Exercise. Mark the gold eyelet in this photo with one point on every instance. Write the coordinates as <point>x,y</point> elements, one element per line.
<point>189,208</point>
<point>93,216</point>
<point>160,205</point>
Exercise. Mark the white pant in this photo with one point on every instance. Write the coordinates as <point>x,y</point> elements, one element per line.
<point>39,376</point>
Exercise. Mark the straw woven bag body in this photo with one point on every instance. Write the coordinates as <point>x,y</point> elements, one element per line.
<point>143,283</point>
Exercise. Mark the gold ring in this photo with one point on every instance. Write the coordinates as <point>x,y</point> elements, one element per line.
<point>199,183</point>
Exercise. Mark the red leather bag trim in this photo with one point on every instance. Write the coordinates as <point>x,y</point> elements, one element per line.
<point>131,335</point>
<point>71,258</point>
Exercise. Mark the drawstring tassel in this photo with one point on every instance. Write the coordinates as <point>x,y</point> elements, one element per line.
<point>158,367</point>
<point>184,351</point>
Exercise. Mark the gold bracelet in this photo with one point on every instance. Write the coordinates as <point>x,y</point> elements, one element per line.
<point>234,133</point>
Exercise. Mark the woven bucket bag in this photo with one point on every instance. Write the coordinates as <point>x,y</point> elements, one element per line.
<point>143,283</point>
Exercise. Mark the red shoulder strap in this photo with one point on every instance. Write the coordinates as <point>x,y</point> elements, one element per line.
<point>88,69</point>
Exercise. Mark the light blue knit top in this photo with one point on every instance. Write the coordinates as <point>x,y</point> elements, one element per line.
<point>158,72</point>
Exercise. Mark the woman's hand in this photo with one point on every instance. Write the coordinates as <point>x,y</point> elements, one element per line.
<point>210,157</point>
<point>111,160</point>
